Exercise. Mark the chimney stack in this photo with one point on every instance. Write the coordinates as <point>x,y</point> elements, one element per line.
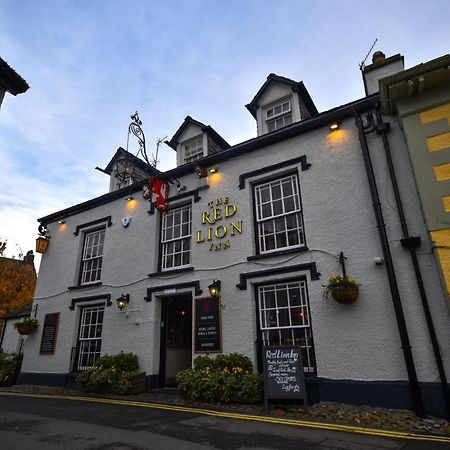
<point>29,257</point>
<point>381,67</point>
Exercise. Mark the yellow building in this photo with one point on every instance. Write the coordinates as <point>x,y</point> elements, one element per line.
<point>420,96</point>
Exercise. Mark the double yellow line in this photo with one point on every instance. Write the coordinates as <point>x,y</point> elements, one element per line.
<point>230,415</point>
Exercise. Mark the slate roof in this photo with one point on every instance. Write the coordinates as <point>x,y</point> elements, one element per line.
<point>10,80</point>
<point>215,136</point>
<point>136,161</point>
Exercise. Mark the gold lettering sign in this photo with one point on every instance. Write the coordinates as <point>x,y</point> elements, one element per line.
<point>218,234</point>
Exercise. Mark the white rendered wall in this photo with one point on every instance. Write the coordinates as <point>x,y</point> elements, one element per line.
<point>378,73</point>
<point>359,341</point>
<point>11,337</point>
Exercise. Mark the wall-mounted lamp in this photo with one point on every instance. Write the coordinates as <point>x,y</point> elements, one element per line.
<point>200,171</point>
<point>129,198</point>
<point>43,240</point>
<point>122,301</point>
<point>214,288</point>
<point>61,221</point>
<point>214,169</point>
<point>334,126</point>
<point>41,244</point>
<point>180,187</point>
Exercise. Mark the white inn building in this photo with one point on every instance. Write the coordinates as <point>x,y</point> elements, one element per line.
<point>275,220</point>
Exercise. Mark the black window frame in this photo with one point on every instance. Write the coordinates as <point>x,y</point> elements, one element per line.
<point>259,331</point>
<point>185,268</point>
<point>283,250</point>
<point>85,233</point>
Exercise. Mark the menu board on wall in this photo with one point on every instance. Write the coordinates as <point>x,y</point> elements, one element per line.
<point>283,373</point>
<point>208,326</point>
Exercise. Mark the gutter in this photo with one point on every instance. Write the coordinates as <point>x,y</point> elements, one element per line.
<point>339,113</point>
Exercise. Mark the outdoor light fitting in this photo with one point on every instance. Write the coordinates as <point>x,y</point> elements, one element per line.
<point>214,288</point>
<point>334,126</point>
<point>214,169</point>
<point>122,301</point>
<point>43,240</point>
<point>200,171</point>
<point>42,244</point>
<point>61,221</point>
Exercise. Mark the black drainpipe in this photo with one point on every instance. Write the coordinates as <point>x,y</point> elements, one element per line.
<point>410,242</point>
<point>416,396</point>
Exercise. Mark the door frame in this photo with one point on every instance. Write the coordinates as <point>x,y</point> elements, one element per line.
<point>165,302</point>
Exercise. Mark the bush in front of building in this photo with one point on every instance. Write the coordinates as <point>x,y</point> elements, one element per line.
<point>225,379</point>
<point>8,368</point>
<point>111,373</point>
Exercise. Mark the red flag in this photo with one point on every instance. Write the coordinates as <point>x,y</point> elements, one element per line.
<point>160,191</point>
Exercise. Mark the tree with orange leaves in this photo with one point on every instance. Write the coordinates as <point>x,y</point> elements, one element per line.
<point>17,282</point>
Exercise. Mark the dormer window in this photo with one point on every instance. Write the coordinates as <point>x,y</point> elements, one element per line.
<point>123,183</point>
<point>194,140</point>
<point>193,150</point>
<point>278,116</point>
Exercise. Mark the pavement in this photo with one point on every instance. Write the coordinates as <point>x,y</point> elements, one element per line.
<point>370,421</point>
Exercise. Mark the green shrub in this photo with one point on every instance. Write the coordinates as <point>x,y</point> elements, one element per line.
<point>124,362</point>
<point>226,378</point>
<point>8,364</point>
<point>110,373</point>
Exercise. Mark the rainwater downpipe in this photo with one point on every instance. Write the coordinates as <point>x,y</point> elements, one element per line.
<point>416,396</point>
<point>410,243</point>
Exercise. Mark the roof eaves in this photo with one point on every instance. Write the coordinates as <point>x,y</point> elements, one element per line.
<point>295,129</point>
<point>405,75</point>
<point>11,80</point>
<point>136,161</point>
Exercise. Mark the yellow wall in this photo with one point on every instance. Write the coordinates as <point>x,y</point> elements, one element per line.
<point>440,142</point>
<point>441,241</point>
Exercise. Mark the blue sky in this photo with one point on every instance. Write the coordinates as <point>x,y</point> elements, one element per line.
<point>90,64</point>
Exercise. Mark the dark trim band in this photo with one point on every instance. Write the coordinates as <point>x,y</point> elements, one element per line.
<point>106,219</point>
<point>170,272</point>
<point>195,284</point>
<point>278,253</point>
<point>84,286</point>
<point>290,162</point>
<point>106,297</point>
<point>243,277</point>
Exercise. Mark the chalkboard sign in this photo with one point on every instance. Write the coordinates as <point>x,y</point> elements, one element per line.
<point>208,326</point>
<point>49,333</point>
<point>283,373</point>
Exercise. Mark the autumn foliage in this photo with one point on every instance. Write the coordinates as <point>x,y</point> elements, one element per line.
<point>17,284</point>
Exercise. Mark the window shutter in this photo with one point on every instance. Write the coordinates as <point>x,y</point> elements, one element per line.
<point>49,333</point>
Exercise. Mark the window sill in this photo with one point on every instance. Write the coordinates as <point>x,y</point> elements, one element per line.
<point>278,253</point>
<point>170,272</point>
<point>84,286</point>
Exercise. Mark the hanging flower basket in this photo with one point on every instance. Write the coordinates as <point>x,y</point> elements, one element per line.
<point>343,289</point>
<point>345,294</point>
<point>27,325</point>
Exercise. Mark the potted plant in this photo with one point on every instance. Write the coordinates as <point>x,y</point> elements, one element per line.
<point>26,325</point>
<point>343,289</point>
